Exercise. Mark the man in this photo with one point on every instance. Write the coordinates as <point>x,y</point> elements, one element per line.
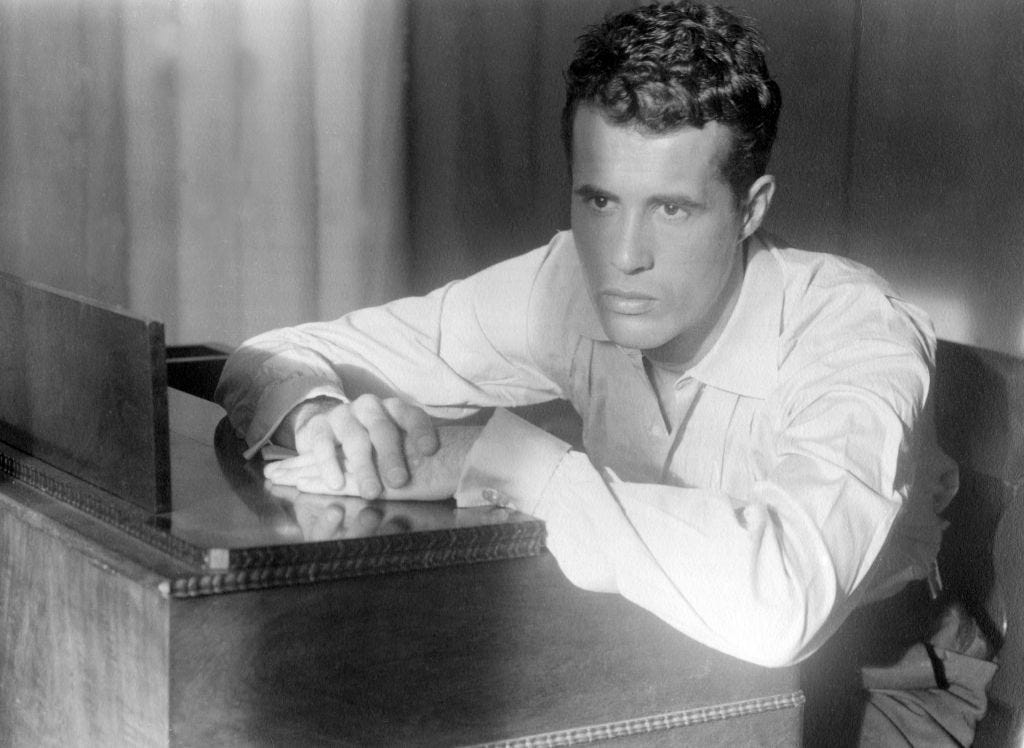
<point>758,455</point>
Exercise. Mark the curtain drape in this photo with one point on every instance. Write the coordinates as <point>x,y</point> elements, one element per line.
<point>224,166</point>
<point>232,165</point>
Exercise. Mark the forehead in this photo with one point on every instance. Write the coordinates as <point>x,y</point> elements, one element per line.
<point>609,152</point>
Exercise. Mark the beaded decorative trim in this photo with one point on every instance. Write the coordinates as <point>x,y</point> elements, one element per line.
<point>369,564</point>
<point>220,570</point>
<point>96,503</point>
<point>653,723</point>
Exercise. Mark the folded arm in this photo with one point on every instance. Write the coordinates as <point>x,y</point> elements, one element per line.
<point>764,577</point>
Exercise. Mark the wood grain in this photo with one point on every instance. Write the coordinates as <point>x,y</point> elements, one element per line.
<point>446,657</point>
<point>83,650</point>
<point>83,387</point>
<point>91,653</point>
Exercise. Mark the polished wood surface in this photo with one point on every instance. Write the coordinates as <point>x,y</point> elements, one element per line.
<point>223,505</point>
<point>82,387</point>
<point>451,656</point>
<point>230,530</point>
<point>469,654</point>
<point>462,653</point>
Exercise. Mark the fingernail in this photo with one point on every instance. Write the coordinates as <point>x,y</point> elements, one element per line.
<point>396,476</point>
<point>425,444</point>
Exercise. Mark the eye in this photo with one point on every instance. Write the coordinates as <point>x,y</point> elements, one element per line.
<point>672,210</point>
<point>600,202</point>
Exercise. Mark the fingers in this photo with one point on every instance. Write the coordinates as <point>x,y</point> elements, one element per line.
<point>379,440</point>
<point>316,438</point>
<point>420,434</point>
<point>304,475</point>
<point>320,522</point>
<point>383,456</point>
<point>360,470</point>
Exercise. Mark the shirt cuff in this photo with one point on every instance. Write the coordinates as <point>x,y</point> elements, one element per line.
<point>278,400</point>
<point>510,464</point>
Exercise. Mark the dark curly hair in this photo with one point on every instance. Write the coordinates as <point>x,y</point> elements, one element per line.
<point>666,66</point>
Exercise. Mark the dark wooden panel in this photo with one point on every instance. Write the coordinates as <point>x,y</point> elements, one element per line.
<point>83,387</point>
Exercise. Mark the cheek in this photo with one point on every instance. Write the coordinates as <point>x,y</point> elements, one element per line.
<point>589,247</point>
<point>696,278</point>
<point>592,273</point>
<point>586,230</point>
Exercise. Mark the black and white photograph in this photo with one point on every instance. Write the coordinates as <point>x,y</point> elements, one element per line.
<point>512,373</point>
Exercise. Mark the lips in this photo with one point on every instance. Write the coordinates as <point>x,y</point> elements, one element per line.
<point>627,302</point>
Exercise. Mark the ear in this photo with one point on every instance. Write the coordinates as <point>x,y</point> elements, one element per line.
<point>755,206</point>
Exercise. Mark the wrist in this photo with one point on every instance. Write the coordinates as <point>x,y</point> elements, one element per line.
<point>510,463</point>
<point>298,416</point>
<point>436,476</point>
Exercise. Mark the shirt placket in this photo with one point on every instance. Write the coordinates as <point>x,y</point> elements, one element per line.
<point>686,394</point>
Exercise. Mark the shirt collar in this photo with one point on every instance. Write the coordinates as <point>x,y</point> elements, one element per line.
<point>744,358</point>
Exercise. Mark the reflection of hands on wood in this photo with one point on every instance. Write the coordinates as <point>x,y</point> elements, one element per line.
<point>325,517</point>
<point>431,477</point>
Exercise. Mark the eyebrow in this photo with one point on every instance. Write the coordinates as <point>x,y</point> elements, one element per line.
<point>589,190</point>
<point>683,201</point>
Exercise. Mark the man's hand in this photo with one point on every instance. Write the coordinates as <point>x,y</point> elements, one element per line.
<point>370,448</point>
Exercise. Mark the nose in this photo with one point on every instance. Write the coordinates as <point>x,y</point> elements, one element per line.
<point>631,250</point>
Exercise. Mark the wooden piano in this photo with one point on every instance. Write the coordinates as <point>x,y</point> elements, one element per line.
<point>153,591</point>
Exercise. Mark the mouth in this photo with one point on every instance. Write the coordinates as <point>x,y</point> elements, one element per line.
<point>630,303</point>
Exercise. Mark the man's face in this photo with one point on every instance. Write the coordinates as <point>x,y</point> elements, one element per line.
<point>659,233</point>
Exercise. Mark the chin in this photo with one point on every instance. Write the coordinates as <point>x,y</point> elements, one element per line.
<point>637,333</point>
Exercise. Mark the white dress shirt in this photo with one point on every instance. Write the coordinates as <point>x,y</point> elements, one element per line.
<point>751,513</point>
